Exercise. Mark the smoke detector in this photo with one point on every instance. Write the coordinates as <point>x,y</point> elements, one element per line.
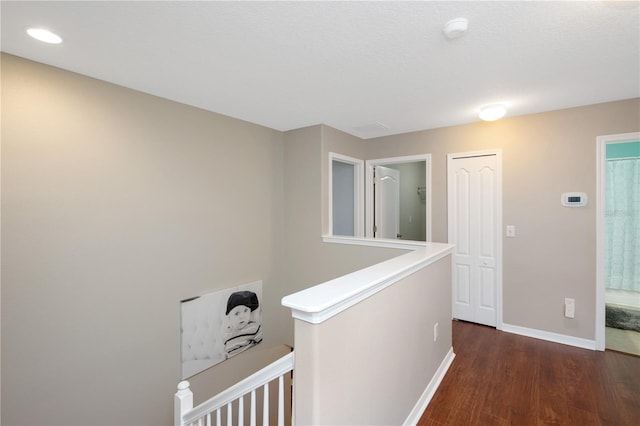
<point>455,28</point>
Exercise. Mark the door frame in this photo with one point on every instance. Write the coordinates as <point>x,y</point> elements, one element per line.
<point>498,154</point>
<point>377,205</point>
<point>601,158</point>
<point>370,164</point>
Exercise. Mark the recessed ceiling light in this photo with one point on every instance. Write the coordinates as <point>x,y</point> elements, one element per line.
<point>492,112</point>
<point>44,35</point>
<point>455,28</point>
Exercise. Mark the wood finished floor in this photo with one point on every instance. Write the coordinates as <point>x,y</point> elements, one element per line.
<point>499,378</point>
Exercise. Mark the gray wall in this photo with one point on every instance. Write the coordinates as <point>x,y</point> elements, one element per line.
<point>115,206</point>
<point>375,374</point>
<point>553,255</point>
<point>309,261</point>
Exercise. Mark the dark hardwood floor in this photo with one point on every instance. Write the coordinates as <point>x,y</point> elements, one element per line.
<point>500,378</point>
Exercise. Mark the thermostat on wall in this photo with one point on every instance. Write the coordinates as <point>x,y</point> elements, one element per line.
<point>574,199</point>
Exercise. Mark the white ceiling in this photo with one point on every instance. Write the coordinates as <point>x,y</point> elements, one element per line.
<point>367,68</point>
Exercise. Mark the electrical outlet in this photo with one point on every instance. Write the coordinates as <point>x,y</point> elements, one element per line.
<point>569,307</point>
<point>435,332</point>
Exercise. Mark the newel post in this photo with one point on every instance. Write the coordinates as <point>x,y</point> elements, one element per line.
<point>183,402</point>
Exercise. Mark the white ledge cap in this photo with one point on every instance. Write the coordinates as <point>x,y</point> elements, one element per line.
<point>321,302</point>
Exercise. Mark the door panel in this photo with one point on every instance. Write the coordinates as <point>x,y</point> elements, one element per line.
<point>462,291</point>
<point>487,213</point>
<point>463,294</point>
<point>487,294</point>
<point>472,184</point>
<point>387,202</point>
<point>461,183</point>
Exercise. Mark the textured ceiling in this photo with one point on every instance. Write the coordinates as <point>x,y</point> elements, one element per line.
<point>367,68</point>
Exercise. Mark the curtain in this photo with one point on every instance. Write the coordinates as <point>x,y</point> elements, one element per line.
<point>622,216</point>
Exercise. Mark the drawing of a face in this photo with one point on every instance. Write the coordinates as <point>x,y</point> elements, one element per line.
<point>239,317</point>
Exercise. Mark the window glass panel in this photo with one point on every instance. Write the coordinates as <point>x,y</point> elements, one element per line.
<point>344,193</point>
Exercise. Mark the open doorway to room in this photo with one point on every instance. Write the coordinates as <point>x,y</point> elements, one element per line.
<point>618,316</point>
<point>398,198</point>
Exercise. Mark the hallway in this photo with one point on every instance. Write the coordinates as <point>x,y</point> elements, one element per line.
<point>499,378</point>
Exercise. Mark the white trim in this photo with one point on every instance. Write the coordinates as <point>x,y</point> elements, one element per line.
<point>358,193</point>
<point>474,153</point>
<point>427,395</point>
<point>550,337</point>
<point>368,201</point>
<point>374,242</point>
<point>622,158</point>
<point>321,302</point>
<point>369,164</point>
<point>601,158</point>
<point>257,379</point>
<point>498,154</point>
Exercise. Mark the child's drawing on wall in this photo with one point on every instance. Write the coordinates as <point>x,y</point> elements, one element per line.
<point>219,325</point>
<point>243,331</point>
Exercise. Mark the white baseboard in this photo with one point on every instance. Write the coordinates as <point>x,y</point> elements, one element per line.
<point>425,398</point>
<point>551,337</point>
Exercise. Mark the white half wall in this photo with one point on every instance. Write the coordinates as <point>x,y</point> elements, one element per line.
<point>373,362</point>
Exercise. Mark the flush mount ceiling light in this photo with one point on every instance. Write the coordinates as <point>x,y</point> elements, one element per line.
<point>44,35</point>
<point>455,28</point>
<point>492,112</point>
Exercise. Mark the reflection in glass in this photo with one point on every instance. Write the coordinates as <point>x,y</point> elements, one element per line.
<point>346,196</point>
<point>343,192</point>
<point>400,201</point>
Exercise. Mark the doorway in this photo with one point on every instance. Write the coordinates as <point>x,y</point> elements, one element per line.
<point>618,243</point>
<point>474,190</point>
<point>386,200</point>
<point>398,198</point>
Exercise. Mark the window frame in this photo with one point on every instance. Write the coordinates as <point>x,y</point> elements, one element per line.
<point>358,194</point>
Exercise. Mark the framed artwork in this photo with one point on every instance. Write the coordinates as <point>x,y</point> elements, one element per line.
<point>219,325</point>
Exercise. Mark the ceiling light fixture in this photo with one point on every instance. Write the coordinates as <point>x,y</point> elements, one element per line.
<point>455,28</point>
<point>44,35</point>
<point>492,112</point>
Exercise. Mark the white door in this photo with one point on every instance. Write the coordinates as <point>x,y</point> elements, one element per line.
<point>387,203</point>
<point>473,227</point>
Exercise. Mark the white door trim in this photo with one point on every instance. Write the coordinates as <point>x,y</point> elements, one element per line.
<point>601,158</point>
<point>498,154</point>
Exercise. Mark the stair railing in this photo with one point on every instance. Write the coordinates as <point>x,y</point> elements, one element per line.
<point>213,411</point>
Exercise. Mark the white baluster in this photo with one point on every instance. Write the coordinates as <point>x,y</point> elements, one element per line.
<point>187,415</point>
<point>252,420</point>
<point>281,401</point>
<point>293,401</point>
<point>183,402</point>
<point>265,405</point>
